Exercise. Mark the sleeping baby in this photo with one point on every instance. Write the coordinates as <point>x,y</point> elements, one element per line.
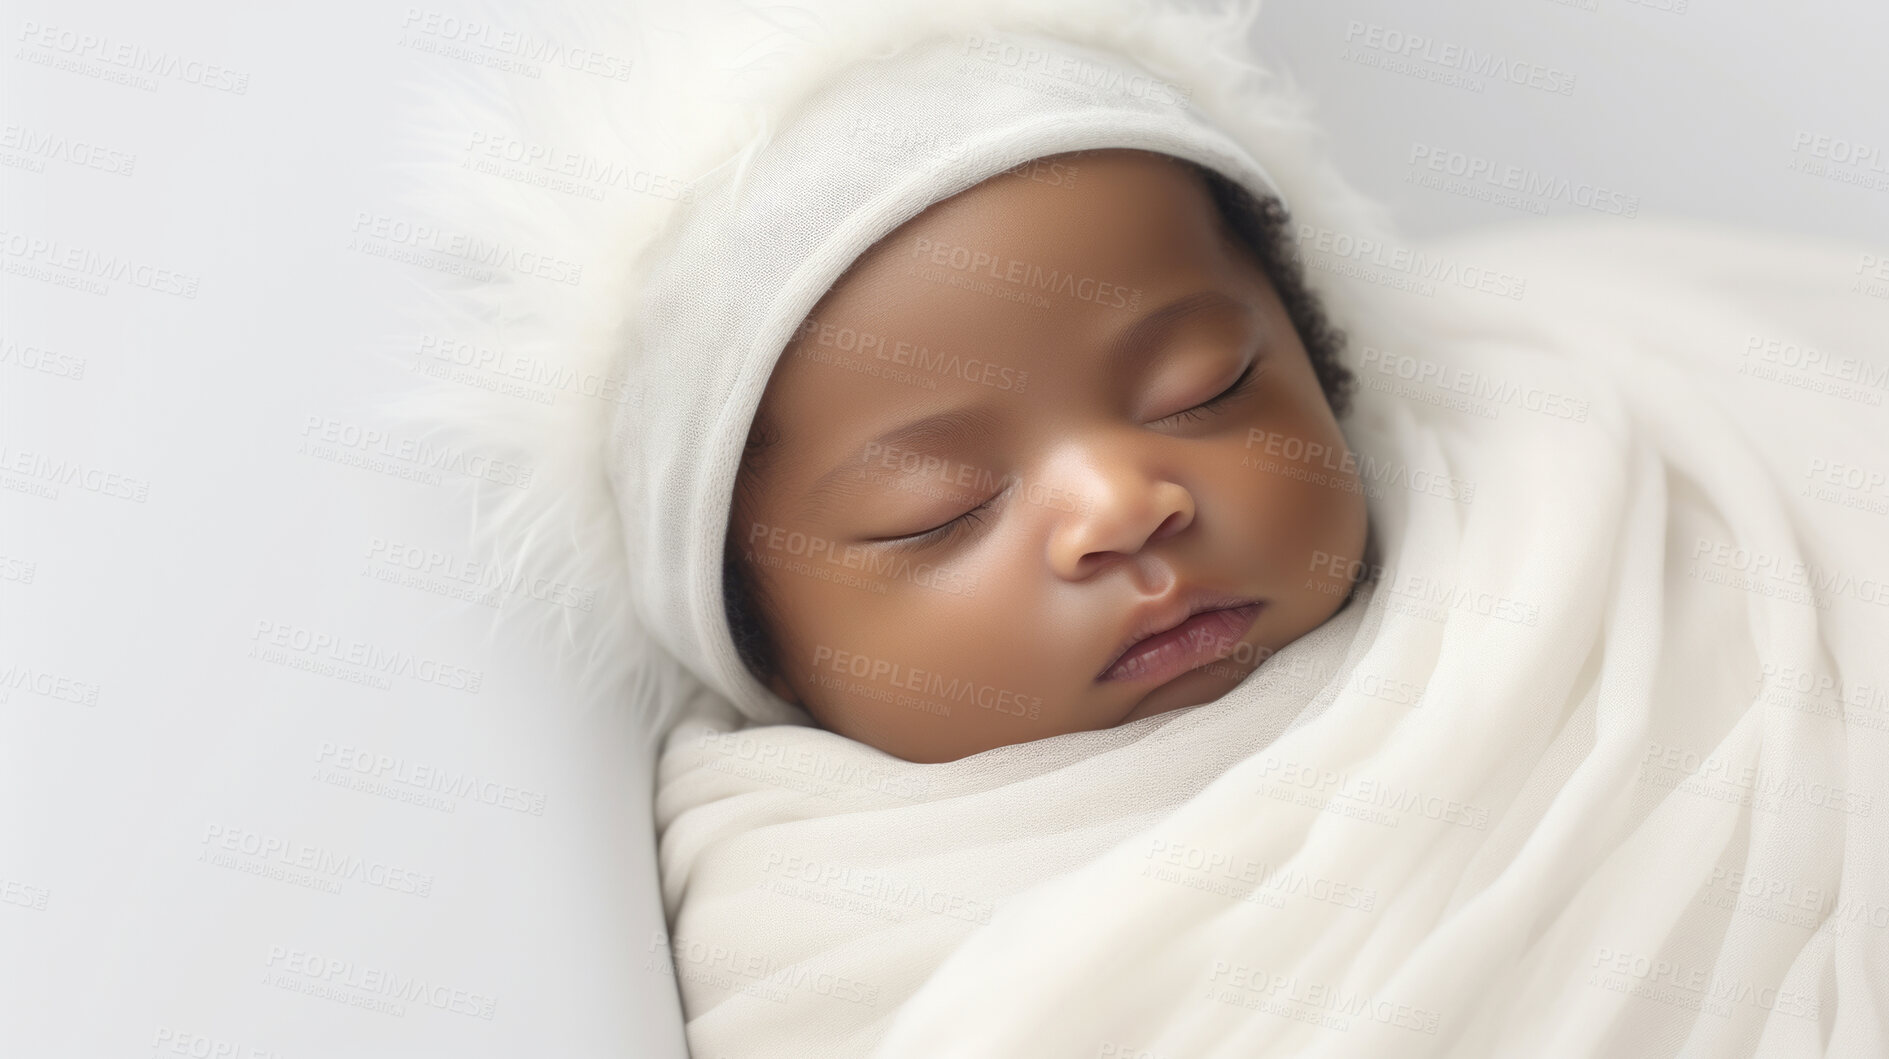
<point>984,398</point>
<point>1002,483</point>
<point>996,468</point>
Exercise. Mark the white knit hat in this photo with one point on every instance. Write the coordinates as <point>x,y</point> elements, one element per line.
<point>750,157</point>
<point>742,265</point>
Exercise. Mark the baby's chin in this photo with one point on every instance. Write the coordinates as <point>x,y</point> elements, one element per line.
<point>1193,688</point>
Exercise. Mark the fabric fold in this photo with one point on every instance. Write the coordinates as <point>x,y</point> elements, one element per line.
<point>1544,787</point>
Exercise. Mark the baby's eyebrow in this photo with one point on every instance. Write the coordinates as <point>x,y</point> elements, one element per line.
<point>937,430</point>
<point>1148,332</point>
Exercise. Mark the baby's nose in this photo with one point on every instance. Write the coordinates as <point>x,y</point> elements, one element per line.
<point>1121,509</point>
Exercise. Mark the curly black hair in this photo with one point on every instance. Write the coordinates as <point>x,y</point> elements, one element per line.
<point>1258,227</point>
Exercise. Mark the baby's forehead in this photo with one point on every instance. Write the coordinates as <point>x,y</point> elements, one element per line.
<point>985,293</point>
<point>1068,243</point>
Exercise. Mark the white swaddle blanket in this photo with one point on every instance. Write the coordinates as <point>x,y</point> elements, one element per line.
<point>1596,767</point>
<point>1599,765</point>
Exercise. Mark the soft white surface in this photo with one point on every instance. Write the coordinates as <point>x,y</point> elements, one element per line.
<point>1558,789</point>
<point>118,940</point>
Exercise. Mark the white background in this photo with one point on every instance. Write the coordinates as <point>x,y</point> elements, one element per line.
<point>157,718</point>
<point>1696,112</point>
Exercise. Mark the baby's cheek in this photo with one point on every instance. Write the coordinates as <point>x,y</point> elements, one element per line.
<point>1316,520</point>
<point>916,617</point>
<point>949,678</point>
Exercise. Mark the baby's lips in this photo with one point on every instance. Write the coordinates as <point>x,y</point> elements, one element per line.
<point>1197,639</point>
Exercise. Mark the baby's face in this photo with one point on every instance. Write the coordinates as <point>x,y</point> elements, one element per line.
<point>1038,421</point>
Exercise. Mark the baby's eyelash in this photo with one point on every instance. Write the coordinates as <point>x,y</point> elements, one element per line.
<point>945,533</point>
<point>1212,404</point>
<point>949,531</point>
